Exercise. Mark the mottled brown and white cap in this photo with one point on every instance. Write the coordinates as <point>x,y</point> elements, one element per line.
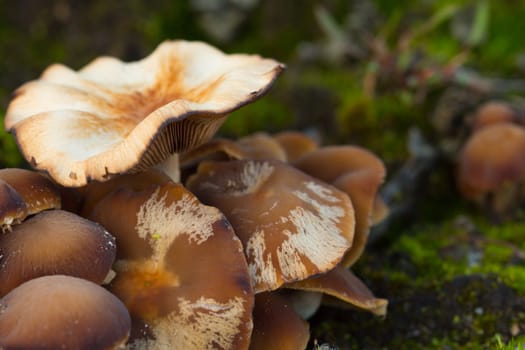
<point>180,269</point>
<point>62,312</point>
<point>112,117</point>
<point>55,242</point>
<point>292,225</point>
<point>357,172</point>
<point>38,192</point>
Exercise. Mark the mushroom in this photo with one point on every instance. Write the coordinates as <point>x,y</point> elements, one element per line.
<point>292,225</point>
<point>493,112</point>
<point>295,144</point>
<point>55,242</point>
<point>112,117</point>
<point>491,166</point>
<point>180,269</point>
<point>37,191</point>
<point>261,146</point>
<point>276,325</point>
<point>62,312</point>
<point>13,208</point>
<point>342,284</point>
<point>356,171</point>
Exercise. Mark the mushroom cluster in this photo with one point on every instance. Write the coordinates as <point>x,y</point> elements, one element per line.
<point>491,170</point>
<point>219,243</point>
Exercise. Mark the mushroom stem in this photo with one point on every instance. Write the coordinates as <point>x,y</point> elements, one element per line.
<point>170,167</point>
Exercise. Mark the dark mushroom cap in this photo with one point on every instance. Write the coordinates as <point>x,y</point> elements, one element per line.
<point>292,225</point>
<point>62,312</point>
<point>491,157</point>
<point>38,192</point>
<point>112,117</point>
<point>181,269</point>
<point>55,242</point>
<point>13,208</point>
<point>276,325</point>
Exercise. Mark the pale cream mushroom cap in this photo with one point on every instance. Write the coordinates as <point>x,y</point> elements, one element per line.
<point>112,117</point>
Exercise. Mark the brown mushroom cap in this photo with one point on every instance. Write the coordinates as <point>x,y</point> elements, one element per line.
<point>112,117</point>
<point>295,144</point>
<point>62,312</point>
<point>491,157</point>
<point>181,269</point>
<point>276,325</point>
<point>261,146</point>
<point>342,284</point>
<point>55,242</point>
<point>357,172</point>
<point>13,208</point>
<point>292,226</point>
<point>38,192</point>
<point>493,112</point>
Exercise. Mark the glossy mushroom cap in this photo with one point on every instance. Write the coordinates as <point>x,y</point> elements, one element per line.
<point>112,117</point>
<point>492,157</point>
<point>62,312</point>
<point>181,269</point>
<point>276,325</point>
<point>295,144</point>
<point>357,172</point>
<point>55,242</point>
<point>13,208</point>
<point>292,226</point>
<point>261,146</point>
<point>38,192</point>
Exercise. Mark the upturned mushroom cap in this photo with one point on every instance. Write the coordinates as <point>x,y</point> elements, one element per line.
<point>355,171</point>
<point>112,117</point>
<point>13,208</point>
<point>62,312</point>
<point>342,284</point>
<point>38,192</point>
<point>491,157</point>
<point>55,242</point>
<point>181,269</point>
<point>295,144</point>
<point>276,325</point>
<point>292,226</point>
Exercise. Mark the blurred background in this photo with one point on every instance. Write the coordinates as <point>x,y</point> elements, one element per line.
<point>402,78</point>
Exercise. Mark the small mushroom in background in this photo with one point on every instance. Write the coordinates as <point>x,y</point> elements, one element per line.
<point>55,242</point>
<point>491,167</point>
<point>62,312</point>
<point>292,225</point>
<point>112,117</point>
<point>180,270</point>
<point>493,112</point>
<point>261,146</point>
<point>357,172</point>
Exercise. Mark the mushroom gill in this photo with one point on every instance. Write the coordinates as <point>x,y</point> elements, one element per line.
<point>112,117</point>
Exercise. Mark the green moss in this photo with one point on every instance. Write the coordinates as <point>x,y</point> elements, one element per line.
<point>9,154</point>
